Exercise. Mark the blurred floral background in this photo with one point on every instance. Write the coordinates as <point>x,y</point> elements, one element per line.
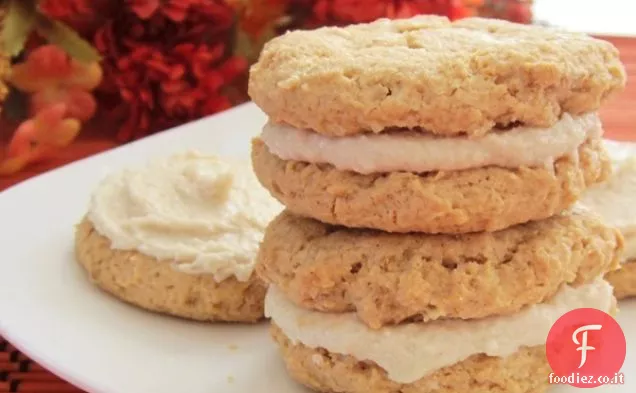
<point>129,68</point>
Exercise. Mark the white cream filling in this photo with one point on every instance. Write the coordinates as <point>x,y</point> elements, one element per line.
<point>411,351</point>
<point>203,214</point>
<point>615,199</point>
<point>417,152</point>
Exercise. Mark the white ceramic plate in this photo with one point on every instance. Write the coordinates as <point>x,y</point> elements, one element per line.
<point>50,311</point>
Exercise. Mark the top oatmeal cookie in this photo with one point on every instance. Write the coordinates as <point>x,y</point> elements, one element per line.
<point>448,78</point>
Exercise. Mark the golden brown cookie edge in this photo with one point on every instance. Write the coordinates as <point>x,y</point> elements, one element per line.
<point>474,200</point>
<point>156,286</point>
<point>525,371</point>
<point>335,94</point>
<point>623,280</point>
<point>392,278</point>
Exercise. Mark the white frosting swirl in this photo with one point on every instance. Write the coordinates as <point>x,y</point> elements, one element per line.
<point>202,213</point>
<point>419,152</point>
<point>409,352</point>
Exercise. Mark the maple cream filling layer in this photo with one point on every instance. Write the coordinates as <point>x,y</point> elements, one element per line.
<point>418,152</point>
<point>202,214</point>
<point>615,199</point>
<point>409,352</point>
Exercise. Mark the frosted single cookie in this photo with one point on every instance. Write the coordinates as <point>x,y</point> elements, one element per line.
<point>179,236</point>
<point>468,77</point>
<point>337,352</point>
<point>388,279</point>
<point>615,201</point>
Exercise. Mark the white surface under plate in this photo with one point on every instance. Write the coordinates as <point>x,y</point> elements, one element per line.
<point>607,17</point>
<point>50,311</point>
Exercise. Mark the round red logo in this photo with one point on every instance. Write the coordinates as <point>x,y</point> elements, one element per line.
<point>585,348</point>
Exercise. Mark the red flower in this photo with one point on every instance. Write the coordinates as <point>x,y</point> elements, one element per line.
<point>64,9</point>
<point>352,11</point>
<point>175,10</point>
<point>84,16</point>
<point>453,9</point>
<point>159,73</point>
<point>343,12</point>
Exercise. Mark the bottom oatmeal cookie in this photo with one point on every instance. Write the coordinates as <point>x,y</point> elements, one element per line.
<point>525,371</point>
<point>506,354</point>
<point>155,285</point>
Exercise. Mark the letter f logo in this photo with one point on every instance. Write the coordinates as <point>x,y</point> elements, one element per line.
<point>583,343</point>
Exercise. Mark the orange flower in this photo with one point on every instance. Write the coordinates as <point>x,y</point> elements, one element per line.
<point>60,100</point>
<point>51,76</point>
<point>38,138</point>
<point>257,16</point>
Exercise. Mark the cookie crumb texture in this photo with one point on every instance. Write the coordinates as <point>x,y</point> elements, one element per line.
<point>525,371</point>
<point>448,78</point>
<point>391,278</point>
<point>154,285</point>
<point>623,280</point>
<point>473,200</point>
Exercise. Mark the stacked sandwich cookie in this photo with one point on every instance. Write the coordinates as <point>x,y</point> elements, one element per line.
<point>429,171</point>
<point>613,200</point>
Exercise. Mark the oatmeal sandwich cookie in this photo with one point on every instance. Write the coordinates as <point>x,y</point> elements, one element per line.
<point>338,353</point>
<point>386,279</point>
<point>615,201</point>
<point>377,126</point>
<point>465,77</point>
<point>179,236</point>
